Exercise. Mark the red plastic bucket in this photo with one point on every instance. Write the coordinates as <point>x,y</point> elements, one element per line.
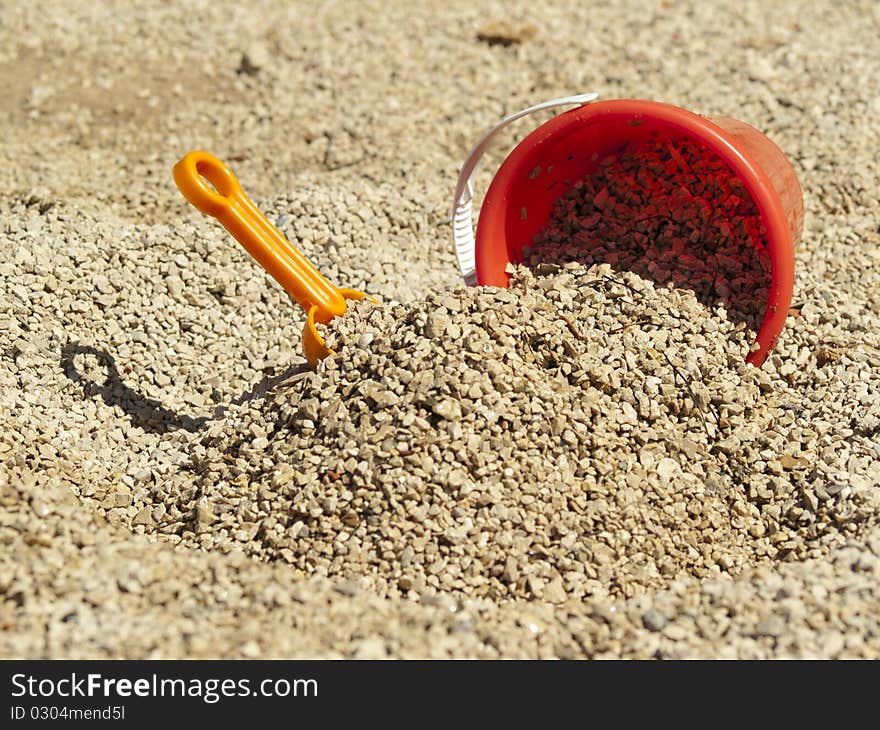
<point>569,145</point>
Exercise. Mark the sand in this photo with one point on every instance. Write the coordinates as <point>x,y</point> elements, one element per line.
<point>142,351</point>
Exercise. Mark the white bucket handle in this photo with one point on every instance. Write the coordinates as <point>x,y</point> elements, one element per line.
<point>462,215</point>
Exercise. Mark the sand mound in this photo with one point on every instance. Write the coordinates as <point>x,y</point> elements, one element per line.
<point>577,435</point>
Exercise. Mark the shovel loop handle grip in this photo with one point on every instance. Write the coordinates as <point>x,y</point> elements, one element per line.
<point>212,188</point>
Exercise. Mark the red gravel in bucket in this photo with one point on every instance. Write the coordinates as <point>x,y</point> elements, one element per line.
<point>671,211</point>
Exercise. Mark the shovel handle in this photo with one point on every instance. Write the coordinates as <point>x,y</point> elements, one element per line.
<point>212,188</point>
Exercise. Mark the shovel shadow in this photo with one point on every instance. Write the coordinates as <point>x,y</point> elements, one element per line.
<point>145,413</point>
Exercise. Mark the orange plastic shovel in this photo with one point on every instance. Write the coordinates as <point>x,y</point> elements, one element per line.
<point>227,202</point>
